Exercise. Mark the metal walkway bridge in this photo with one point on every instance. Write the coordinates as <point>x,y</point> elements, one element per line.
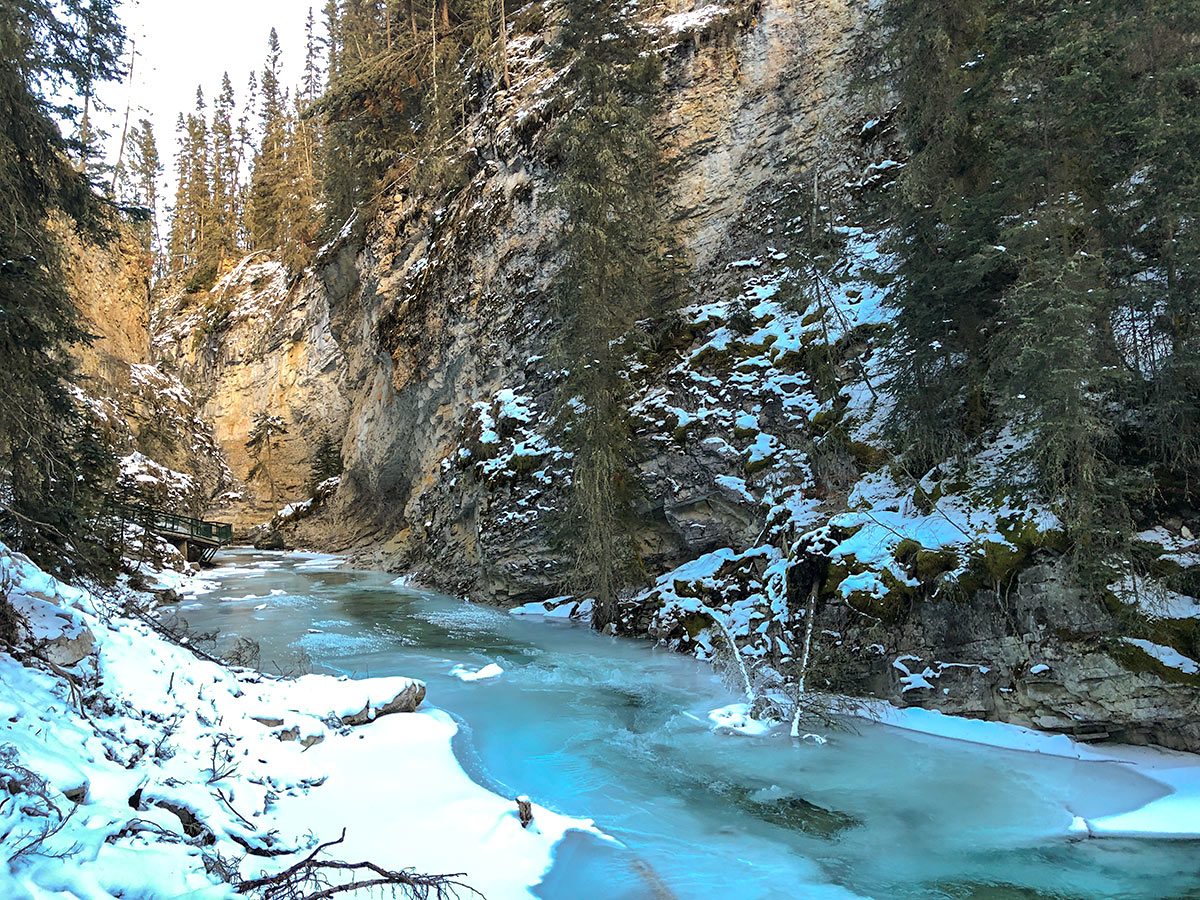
<point>199,540</point>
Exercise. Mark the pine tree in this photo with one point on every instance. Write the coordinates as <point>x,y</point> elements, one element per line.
<point>140,185</point>
<point>195,241</point>
<point>264,437</point>
<point>94,29</point>
<point>244,141</point>
<point>610,281</point>
<point>398,90</point>
<point>1048,264</point>
<point>326,462</point>
<point>267,179</point>
<point>52,470</point>
<point>223,158</point>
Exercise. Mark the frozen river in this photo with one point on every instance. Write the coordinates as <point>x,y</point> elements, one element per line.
<point>618,731</point>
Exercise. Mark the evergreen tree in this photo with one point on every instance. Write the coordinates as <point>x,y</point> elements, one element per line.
<point>1047,261</point>
<point>397,94</point>
<point>224,164</point>
<point>53,468</point>
<point>264,437</point>
<point>93,30</point>
<point>297,209</point>
<point>326,462</point>
<point>140,185</point>
<point>611,280</point>
<point>267,178</point>
<point>245,154</point>
<point>195,245</point>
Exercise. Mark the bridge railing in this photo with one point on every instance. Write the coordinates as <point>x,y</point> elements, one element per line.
<point>185,526</point>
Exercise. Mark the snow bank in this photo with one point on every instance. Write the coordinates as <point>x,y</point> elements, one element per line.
<point>172,760</point>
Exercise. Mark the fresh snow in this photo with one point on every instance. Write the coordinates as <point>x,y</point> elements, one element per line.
<point>1168,656</point>
<point>462,673</point>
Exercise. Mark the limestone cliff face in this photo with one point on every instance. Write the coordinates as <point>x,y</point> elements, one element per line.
<point>258,342</point>
<point>448,307</point>
<point>169,456</point>
<point>111,286</point>
<point>424,347</point>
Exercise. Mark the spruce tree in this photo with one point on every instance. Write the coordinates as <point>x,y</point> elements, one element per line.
<point>224,166</point>
<point>141,176</point>
<point>53,468</point>
<point>267,178</point>
<point>244,141</point>
<point>195,247</point>
<point>610,281</point>
<point>1048,259</point>
<point>265,432</point>
<point>326,462</point>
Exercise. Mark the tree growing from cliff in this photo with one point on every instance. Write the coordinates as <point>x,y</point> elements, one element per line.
<point>612,279</point>
<point>137,185</point>
<point>402,77</point>
<point>282,196</point>
<point>223,160</point>
<point>192,249</point>
<point>265,433</point>
<point>267,175</point>
<point>326,462</point>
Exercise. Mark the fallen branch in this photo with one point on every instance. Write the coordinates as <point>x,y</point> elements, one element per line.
<point>221,796</point>
<point>309,880</point>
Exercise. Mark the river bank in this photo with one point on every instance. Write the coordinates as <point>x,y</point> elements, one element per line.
<point>622,732</point>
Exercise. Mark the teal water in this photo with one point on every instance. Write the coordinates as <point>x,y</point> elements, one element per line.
<point>617,731</point>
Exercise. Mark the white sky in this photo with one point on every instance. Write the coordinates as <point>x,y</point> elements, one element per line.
<point>182,44</point>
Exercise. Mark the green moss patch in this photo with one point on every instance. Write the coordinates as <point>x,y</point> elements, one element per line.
<point>1135,659</point>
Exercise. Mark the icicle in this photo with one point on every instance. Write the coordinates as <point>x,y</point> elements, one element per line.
<point>810,614</point>
<point>733,650</point>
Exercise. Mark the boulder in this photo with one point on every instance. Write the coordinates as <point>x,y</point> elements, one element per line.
<point>272,540</point>
<point>75,644</point>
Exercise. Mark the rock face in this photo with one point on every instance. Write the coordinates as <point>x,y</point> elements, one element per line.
<point>258,342</point>
<point>1043,657</point>
<point>145,411</point>
<point>111,286</point>
<point>446,315</point>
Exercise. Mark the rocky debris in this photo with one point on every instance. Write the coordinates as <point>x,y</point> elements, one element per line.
<point>59,635</point>
<point>270,540</point>
<point>69,650</point>
<point>293,734</point>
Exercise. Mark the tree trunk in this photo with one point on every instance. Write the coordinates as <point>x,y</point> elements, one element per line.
<point>504,46</point>
<point>125,126</point>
